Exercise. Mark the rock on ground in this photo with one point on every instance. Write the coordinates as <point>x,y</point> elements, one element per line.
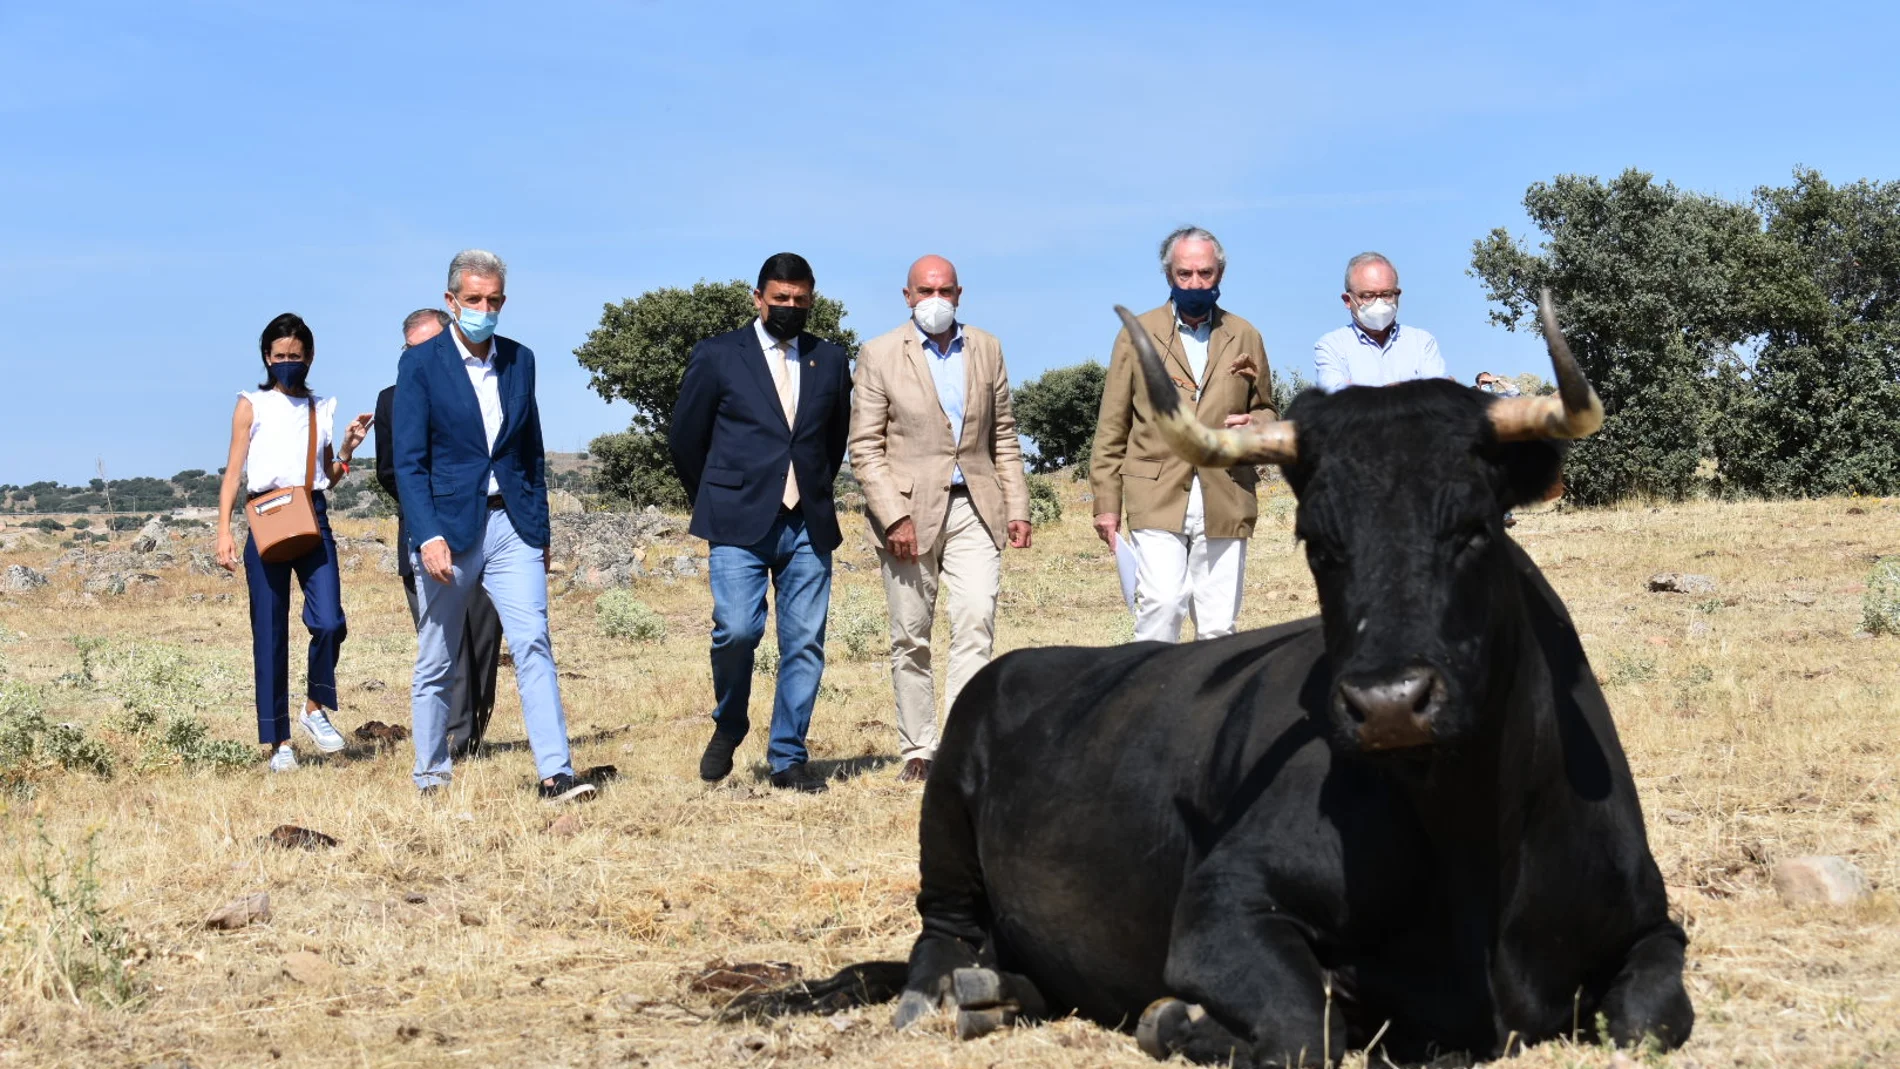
<point>1821,880</point>
<point>21,577</point>
<point>240,912</point>
<point>603,550</point>
<point>1681,583</point>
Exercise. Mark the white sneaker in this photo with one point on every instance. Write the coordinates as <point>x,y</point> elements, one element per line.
<point>284,760</point>
<point>326,736</point>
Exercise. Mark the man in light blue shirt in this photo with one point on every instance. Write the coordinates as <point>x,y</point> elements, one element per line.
<point>933,443</point>
<point>1372,349</point>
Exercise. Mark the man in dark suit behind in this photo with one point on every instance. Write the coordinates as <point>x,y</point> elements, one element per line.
<point>477,661</point>
<point>758,435</point>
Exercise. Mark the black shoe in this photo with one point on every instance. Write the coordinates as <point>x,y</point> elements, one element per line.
<point>800,777</point>
<point>566,788</point>
<point>716,763</point>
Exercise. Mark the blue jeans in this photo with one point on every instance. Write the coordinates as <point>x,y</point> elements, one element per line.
<point>513,575</point>
<point>269,585</point>
<point>802,577</point>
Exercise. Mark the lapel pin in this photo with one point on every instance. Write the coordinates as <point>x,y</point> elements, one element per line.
<point>814,363</point>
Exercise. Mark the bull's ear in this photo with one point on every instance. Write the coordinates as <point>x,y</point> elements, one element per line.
<point>1531,471</point>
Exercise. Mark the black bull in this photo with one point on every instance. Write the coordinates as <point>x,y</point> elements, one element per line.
<point>1406,822</point>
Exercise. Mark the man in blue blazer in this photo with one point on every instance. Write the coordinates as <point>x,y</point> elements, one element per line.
<point>758,435</point>
<point>472,477</point>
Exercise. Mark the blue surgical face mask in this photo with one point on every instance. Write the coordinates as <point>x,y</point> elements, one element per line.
<point>476,326</point>
<point>290,374</point>
<point>1195,304</point>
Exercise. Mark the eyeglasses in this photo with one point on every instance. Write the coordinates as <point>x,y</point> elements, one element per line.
<point>1366,296</point>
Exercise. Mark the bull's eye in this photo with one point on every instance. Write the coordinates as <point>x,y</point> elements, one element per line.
<point>1476,540</point>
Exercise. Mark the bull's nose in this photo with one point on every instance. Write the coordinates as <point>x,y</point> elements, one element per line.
<point>1393,711</point>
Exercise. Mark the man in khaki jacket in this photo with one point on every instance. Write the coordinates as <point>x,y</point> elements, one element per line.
<point>933,442</point>
<point>1189,527</point>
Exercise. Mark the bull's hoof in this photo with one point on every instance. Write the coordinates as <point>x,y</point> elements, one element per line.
<point>972,1024</point>
<point>914,1006</point>
<point>1162,1020</point>
<point>977,989</point>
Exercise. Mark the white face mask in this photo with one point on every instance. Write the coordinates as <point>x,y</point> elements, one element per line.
<point>1377,315</point>
<point>934,315</point>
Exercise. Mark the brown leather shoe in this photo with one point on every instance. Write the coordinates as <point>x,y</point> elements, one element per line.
<point>916,770</point>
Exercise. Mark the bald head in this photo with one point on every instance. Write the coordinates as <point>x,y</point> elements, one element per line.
<point>933,273</point>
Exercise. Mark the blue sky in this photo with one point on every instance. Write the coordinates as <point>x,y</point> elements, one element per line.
<point>175,175</point>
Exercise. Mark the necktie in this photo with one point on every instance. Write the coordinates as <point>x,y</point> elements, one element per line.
<point>782,377</point>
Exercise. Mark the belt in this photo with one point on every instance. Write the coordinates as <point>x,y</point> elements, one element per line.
<point>960,488</point>
<point>495,502</point>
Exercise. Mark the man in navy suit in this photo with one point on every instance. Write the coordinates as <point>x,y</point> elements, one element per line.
<point>757,438</point>
<point>472,477</point>
<point>472,696</point>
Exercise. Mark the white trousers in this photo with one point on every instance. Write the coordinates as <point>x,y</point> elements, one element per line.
<point>1188,574</point>
<point>966,560</point>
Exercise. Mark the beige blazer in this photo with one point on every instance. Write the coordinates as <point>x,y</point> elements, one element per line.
<point>1131,466</point>
<point>901,449</point>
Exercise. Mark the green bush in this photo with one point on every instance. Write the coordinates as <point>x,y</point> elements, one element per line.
<point>620,615</point>
<point>857,625</point>
<point>1045,504</point>
<point>189,740</point>
<point>1880,606</point>
<point>29,745</point>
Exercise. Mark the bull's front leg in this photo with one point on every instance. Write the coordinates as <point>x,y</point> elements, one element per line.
<point>1647,999</point>
<point>1250,989</point>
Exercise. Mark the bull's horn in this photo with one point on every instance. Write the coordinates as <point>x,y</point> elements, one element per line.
<point>1573,412</point>
<point>1201,445</point>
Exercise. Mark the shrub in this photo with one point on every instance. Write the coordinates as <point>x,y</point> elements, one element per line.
<point>90,953</point>
<point>1880,606</point>
<point>857,626</point>
<point>30,745</point>
<point>1045,504</point>
<point>620,615</point>
<point>189,740</point>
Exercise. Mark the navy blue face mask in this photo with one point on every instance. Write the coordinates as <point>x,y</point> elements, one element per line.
<point>290,374</point>
<point>1194,304</point>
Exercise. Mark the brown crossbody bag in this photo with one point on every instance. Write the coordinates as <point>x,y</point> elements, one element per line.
<point>284,522</point>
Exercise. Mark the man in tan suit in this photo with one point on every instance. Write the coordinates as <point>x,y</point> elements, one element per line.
<point>1189,527</point>
<point>933,442</point>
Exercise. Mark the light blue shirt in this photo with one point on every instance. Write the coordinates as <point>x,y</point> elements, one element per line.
<point>1194,345</point>
<point>946,370</point>
<point>1349,357</point>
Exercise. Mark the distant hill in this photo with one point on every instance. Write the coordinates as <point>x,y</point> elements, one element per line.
<point>198,488</point>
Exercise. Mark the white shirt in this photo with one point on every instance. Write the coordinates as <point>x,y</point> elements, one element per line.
<point>1194,345</point>
<point>481,375</point>
<point>767,343</point>
<point>280,439</point>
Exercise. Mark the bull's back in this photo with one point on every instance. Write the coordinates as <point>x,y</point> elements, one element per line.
<point>1070,764</point>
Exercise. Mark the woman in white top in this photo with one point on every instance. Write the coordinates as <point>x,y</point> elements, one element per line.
<point>270,444</point>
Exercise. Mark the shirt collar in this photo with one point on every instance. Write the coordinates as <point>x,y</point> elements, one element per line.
<point>469,357</point>
<point>930,346</point>
<point>768,343</point>
<point>1200,333</point>
<point>1367,339</point>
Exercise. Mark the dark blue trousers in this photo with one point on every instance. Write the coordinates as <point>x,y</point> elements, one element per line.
<point>269,583</point>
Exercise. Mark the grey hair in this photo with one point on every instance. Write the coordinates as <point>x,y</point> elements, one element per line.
<point>1365,258</point>
<point>423,315</point>
<point>476,262</point>
<point>1189,233</point>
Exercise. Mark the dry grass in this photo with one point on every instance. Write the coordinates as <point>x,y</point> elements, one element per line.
<point>1759,727</point>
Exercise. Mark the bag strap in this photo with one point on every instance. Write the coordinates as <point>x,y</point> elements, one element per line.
<point>310,462</point>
